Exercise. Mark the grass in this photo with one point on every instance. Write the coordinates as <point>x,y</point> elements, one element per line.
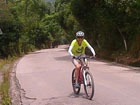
<point>4,89</point>
<point>5,67</point>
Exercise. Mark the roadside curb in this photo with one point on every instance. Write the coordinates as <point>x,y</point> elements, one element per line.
<point>14,91</point>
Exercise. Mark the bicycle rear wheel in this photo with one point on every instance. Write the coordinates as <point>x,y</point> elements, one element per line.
<point>89,85</point>
<point>76,90</point>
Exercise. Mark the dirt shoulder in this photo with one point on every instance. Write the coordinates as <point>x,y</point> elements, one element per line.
<point>121,59</point>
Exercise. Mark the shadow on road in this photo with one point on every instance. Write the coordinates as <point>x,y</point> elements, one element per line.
<point>38,52</point>
<point>128,68</point>
<point>80,95</point>
<point>63,58</point>
<point>133,70</point>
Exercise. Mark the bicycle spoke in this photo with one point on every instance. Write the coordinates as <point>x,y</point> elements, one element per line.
<point>89,86</point>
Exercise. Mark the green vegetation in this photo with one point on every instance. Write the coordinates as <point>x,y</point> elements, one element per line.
<point>29,25</point>
<point>5,67</point>
<point>111,26</point>
<point>4,89</point>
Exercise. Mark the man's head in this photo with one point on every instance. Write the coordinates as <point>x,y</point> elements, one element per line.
<point>80,36</point>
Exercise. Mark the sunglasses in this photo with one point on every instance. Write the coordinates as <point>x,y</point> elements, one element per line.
<point>79,37</point>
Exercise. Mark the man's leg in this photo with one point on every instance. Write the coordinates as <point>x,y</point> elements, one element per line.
<point>77,69</point>
<point>77,72</point>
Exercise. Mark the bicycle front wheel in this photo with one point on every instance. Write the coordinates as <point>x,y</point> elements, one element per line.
<point>76,90</point>
<point>89,85</point>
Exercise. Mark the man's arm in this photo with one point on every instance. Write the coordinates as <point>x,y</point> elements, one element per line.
<point>92,50</point>
<point>70,50</point>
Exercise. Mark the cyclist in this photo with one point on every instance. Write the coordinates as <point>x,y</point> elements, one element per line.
<point>77,48</point>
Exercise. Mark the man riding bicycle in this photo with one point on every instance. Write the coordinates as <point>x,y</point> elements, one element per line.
<point>77,48</point>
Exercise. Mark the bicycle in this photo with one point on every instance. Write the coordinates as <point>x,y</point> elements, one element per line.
<point>85,78</point>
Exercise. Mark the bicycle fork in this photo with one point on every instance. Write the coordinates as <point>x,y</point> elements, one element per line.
<point>84,75</point>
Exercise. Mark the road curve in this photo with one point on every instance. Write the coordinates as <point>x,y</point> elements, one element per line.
<point>45,79</point>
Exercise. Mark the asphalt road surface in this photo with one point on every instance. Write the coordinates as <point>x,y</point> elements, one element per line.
<point>45,79</point>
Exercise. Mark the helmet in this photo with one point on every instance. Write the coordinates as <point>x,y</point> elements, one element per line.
<point>79,34</point>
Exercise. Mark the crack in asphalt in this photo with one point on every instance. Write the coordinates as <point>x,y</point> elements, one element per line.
<point>17,94</point>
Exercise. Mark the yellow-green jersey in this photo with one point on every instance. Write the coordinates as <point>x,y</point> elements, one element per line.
<point>76,50</point>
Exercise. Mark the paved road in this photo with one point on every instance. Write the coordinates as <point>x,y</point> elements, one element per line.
<point>45,79</point>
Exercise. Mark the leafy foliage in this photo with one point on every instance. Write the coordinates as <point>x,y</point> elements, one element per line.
<point>31,24</point>
<point>111,25</point>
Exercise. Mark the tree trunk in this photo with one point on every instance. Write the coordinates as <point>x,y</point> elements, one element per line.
<point>124,40</point>
<point>98,44</point>
<point>6,1</point>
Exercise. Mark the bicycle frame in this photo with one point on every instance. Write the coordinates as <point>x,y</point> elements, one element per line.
<point>82,71</point>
